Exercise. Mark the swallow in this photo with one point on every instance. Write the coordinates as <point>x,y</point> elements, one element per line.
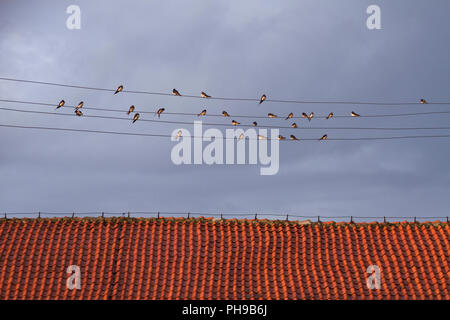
<point>136,117</point>
<point>119,89</point>
<point>330,115</point>
<point>175,92</point>
<point>290,115</point>
<point>354,114</point>
<point>294,125</point>
<point>304,115</point>
<point>202,113</point>
<point>293,137</point>
<point>271,115</point>
<point>280,137</point>
<point>263,98</point>
<point>178,134</point>
<point>225,114</point>
<point>255,123</point>
<point>235,123</point>
<point>241,136</point>
<point>204,95</point>
<point>160,110</point>
<point>80,105</point>
<point>311,115</point>
<point>61,103</point>
<point>423,101</point>
<point>324,137</point>
<point>260,137</point>
<point>78,112</point>
<point>130,110</point>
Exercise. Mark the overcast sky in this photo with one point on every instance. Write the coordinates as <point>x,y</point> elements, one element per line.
<point>316,50</point>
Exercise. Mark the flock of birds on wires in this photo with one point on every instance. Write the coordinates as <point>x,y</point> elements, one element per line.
<point>134,115</point>
<point>175,92</point>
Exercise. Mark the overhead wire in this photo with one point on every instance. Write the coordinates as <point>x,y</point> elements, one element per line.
<point>224,98</point>
<point>228,125</point>
<point>201,137</point>
<point>222,116</point>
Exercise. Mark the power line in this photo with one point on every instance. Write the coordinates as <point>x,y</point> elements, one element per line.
<point>224,98</point>
<point>198,137</point>
<point>234,116</point>
<point>228,125</point>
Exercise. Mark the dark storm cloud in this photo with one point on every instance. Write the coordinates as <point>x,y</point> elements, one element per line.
<point>293,50</point>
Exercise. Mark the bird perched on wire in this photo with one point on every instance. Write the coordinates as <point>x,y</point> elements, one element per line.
<point>311,115</point>
<point>280,137</point>
<point>119,89</point>
<point>136,117</point>
<point>178,134</point>
<point>78,112</point>
<point>271,115</point>
<point>175,92</point>
<point>235,123</point>
<point>202,113</point>
<point>131,109</point>
<point>324,137</point>
<point>61,103</point>
<point>423,101</point>
<point>260,137</point>
<point>330,115</point>
<point>80,105</point>
<point>354,114</point>
<point>293,137</point>
<point>294,125</point>
<point>255,123</point>
<point>160,110</point>
<point>263,98</point>
<point>241,136</point>
<point>204,95</point>
<point>304,115</point>
<point>290,116</point>
<point>225,114</point>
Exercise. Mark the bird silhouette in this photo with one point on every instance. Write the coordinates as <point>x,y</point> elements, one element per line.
<point>330,115</point>
<point>136,117</point>
<point>204,95</point>
<point>294,125</point>
<point>255,123</point>
<point>202,113</point>
<point>175,92</point>
<point>160,110</point>
<point>78,112</point>
<point>290,115</point>
<point>80,105</point>
<point>311,115</point>
<point>304,115</point>
<point>324,137</point>
<point>423,101</point>
<point>225,114</point>
<point>61,103</point>
<point>354,114</point>
<point>131,109</point>
<point>293,137</point>
<point>271,115</point>
<point>119,89</point>
<point>263,98</point>
<point>235,123</point>
<point>280,137</point>
<point>178,134</point>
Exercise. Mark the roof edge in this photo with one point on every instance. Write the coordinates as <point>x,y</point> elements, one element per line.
<point>222,221</point>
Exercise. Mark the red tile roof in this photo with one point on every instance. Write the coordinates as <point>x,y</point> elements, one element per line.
<point>226,259</point>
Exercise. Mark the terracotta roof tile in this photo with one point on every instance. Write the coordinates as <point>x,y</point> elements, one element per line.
<point>222,259</point>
